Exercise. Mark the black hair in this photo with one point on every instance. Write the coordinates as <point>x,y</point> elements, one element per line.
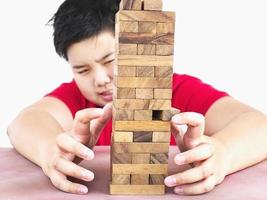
<point>76,20</point>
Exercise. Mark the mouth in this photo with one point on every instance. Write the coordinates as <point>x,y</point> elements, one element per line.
<point>107,95</point>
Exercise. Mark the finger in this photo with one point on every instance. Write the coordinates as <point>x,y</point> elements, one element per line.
<point>195,123</point>
<point>189,176</point>
<point>98,124</point>
<point>61,182</point>
<point>199,153</point>
<point>81,125</point>
<point>197,188</point>
<point>68,144</point>
<point>71,169</point>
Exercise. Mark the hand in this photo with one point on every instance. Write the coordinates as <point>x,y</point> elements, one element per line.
<point>71,148</point>
<point>206,154</point>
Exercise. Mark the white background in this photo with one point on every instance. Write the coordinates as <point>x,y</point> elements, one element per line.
<point>222,42</point>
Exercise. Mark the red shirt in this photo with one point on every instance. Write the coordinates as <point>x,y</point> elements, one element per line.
<point>189,94</point>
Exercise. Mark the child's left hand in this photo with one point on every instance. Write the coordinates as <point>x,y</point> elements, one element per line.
<point>207,155</point>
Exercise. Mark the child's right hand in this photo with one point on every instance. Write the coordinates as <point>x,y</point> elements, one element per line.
<point>61,159</point>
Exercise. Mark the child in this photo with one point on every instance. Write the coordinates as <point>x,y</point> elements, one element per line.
<point>218,134</point>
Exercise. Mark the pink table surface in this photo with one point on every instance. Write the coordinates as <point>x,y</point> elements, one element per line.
<point>20,179</point>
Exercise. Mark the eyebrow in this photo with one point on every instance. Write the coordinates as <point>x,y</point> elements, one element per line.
<point>98,60</point>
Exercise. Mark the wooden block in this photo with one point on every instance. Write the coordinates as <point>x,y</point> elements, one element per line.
<point>145,71</point>
<point>143,82</point>
<point>139,179</point>
<point>146,38</point>
<point>142,104</point>
<point>144,94</point>
<point>159,158</point>
<point>147,27</point>
<point>163,93</point>
<point>123,136</point>
<point>156,179</point>
<point>143,115</point>
<point>162,71</point>
<point>140,158</point>
<point>150,16</point>
<point>121,158</point>
<point>123,93</point>
<point>123,114</point>
<point>127,26</point>
<point>164,50</point>
<point>165,27</point>
<point>128,49</point>
<point>144,60</point>
<point>139,168</point>
<point>152,4</point>
<point>142,126</point>
<point>137,189</point>
<point>140,148</point>
<point>161,137</point>
<point>126,71</point>
<point>131,5</point>
<point>146,49</point>
<point>142,136</point>
<point>121,179</point>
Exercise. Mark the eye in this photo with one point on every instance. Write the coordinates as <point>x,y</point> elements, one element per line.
<point>108,62</point>
<point>83,71</point>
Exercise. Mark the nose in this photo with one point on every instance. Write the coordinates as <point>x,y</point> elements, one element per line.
<point>101,76</point>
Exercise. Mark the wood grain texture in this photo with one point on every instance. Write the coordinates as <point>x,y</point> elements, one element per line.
<point>126,71</point>
<point>159,158</point>
<point>146,38</point>
<point>123,136</point>
<point>131,5</point>
<point>152,5</point>
<point>144,93</point>
<point>142,136</point>
<point>123,114</point>
<point>128,49</point>
<point>143,82</point>
<point>161,137</point>
<point>140,148</point>
<point>156,179</point>
<point>142,126</point>
<point>137,189</point>
<point>166,27</point>
<point>143,115</point>
<point>146,71</point>
<point>142,104</point>
<point>140,179</point>
<point>121,158</point>
<point>127,27</point>
<point>164,72</point>
<point>163,93</point>
<point>164,50</point>
<point>144,60</point>
<point>141,158</point>
<point>150,16</point>
<point>121,179</point>
<point>147,27</point>
<point>139,168</point>
<point>123,93</point>
<point>146,49</point>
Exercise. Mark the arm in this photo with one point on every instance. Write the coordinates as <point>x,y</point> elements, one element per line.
<point>235,138</point>
<point>46,134</point>
<point>241,129</point>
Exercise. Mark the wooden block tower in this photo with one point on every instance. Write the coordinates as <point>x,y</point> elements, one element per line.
<point>142,98</point>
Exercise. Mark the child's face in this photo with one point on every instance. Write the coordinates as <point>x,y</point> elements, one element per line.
<point>92,62</point>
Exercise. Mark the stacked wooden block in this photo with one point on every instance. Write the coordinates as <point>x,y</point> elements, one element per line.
<point>142,98</point>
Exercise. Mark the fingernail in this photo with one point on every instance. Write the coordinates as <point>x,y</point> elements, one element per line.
<point>87,175</point>
<point>82,190</point>
<point>170,181</point>
<point>178,190</point>
<point>87,154</point>
<point>177,119</point>
<point>179,159</point>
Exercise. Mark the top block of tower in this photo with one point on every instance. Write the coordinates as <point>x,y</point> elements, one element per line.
<point>141,5</point>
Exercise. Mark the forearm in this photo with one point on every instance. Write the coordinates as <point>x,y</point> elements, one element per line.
<point>244,139</point>
<point>33,132</point>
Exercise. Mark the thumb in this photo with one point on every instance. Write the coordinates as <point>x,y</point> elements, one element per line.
<point>98,124</point>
